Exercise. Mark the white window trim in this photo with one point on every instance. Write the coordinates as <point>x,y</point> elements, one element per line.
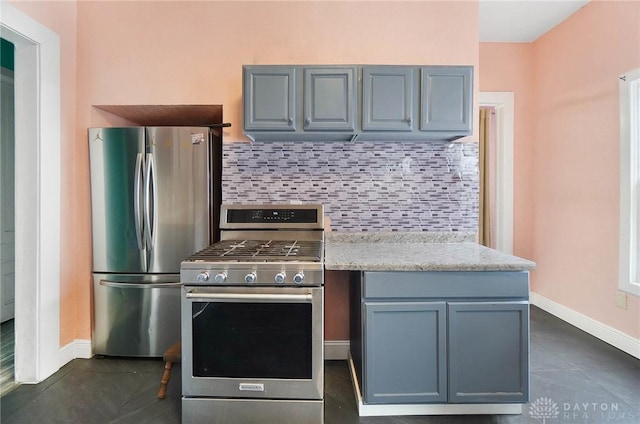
<point>629,263</point>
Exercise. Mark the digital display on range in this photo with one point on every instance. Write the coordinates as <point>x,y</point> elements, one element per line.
<point>260,216</point>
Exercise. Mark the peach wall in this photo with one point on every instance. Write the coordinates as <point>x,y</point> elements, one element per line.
<point>509,67</point>
<point>60,17</point>
<point>336,297</point>
<point>576,162</point>
<point>566,199</point>
<point>193,52</point>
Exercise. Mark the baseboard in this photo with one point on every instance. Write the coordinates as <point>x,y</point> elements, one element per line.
<point>333,350</point>
<point>336,350</point>
<point>607,334</point>
<point>76,349</point>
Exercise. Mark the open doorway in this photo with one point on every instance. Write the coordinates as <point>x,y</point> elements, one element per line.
<point>7,209</point>
<point>501,107</point>
<point>37,208</point>
<point>487,166</point>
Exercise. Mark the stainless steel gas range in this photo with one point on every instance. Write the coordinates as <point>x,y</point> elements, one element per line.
<point>252,319</point>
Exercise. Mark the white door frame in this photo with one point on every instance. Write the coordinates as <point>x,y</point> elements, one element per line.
<point>37,203</point>
<point>7,243</point>
<point>503,102</point>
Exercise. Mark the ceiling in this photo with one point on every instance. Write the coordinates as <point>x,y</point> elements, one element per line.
<point>522,20</point>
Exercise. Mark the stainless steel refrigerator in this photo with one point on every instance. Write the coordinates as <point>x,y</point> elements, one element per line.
<point>154,195</point>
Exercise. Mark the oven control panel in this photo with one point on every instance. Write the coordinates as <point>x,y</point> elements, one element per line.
<point>261,216</point>
<point>269,217</point>
<point>266,274</point>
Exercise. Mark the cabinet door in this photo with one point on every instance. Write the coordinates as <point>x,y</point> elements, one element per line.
<point>269,98</point>
<point>488,352</point>
<point>405,360</point>
<point>387,98</point>
<point>446,98</point>
<point>329,99</point>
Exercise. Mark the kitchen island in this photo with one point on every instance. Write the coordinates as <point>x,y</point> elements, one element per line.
<point>438,323</point>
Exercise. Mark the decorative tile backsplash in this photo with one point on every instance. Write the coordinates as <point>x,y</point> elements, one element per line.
<point>376,186</point>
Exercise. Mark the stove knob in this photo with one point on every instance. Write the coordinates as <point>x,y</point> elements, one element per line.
<point>281,277</point>
<point>298,278</point>
<point>250,278</point>
<point>203,277</point>
<point>220,277</point>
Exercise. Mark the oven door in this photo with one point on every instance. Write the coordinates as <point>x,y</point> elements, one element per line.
<point>253,342</point>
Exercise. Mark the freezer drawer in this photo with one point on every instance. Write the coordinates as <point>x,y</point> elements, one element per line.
<point>135,316</point>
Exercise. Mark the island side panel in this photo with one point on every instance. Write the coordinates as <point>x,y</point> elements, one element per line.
<point>355,323</point>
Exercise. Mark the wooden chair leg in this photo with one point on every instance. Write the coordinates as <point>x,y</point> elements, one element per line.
<point>171,356</point>
<point>166,376</point>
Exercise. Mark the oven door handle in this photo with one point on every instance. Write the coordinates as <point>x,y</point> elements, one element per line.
<point>244,297</point>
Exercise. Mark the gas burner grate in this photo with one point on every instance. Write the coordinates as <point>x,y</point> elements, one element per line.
<point>260,251</point>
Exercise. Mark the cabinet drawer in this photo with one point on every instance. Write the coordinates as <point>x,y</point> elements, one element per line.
<point>446,285</point>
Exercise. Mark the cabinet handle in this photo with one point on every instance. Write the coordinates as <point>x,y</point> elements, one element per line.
<point>409,121</point>
<point>307,121</point>
<point>245,297</point>
<point>290,121</point>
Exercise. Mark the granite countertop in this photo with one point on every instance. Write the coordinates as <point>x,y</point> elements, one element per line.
<point>413,251</point>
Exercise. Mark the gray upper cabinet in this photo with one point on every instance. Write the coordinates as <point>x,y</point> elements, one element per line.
<point>446,98</point>
<point>329,99</point>
<point>357,102</point>
<point>387,98</point>
<point>269,98</point>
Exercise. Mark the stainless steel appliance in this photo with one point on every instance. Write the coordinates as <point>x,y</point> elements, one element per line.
<point>252,319</point>
<point>152,190</point>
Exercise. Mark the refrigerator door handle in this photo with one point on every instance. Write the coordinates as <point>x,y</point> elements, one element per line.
<point>137,187</point>
<point>150,202</point>
<point>121,285</point>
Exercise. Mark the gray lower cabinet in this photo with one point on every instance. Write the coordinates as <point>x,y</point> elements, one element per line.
<point>441,337</point>
<point>406,352</point>
<point>488,352</point>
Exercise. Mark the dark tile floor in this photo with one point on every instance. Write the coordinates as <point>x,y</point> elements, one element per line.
<point>7,342</point>
<point>585,379</point>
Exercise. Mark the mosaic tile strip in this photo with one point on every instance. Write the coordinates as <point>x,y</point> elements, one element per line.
<point>377,186</point>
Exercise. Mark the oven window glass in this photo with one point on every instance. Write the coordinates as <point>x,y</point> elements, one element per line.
<point>252,340</point>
